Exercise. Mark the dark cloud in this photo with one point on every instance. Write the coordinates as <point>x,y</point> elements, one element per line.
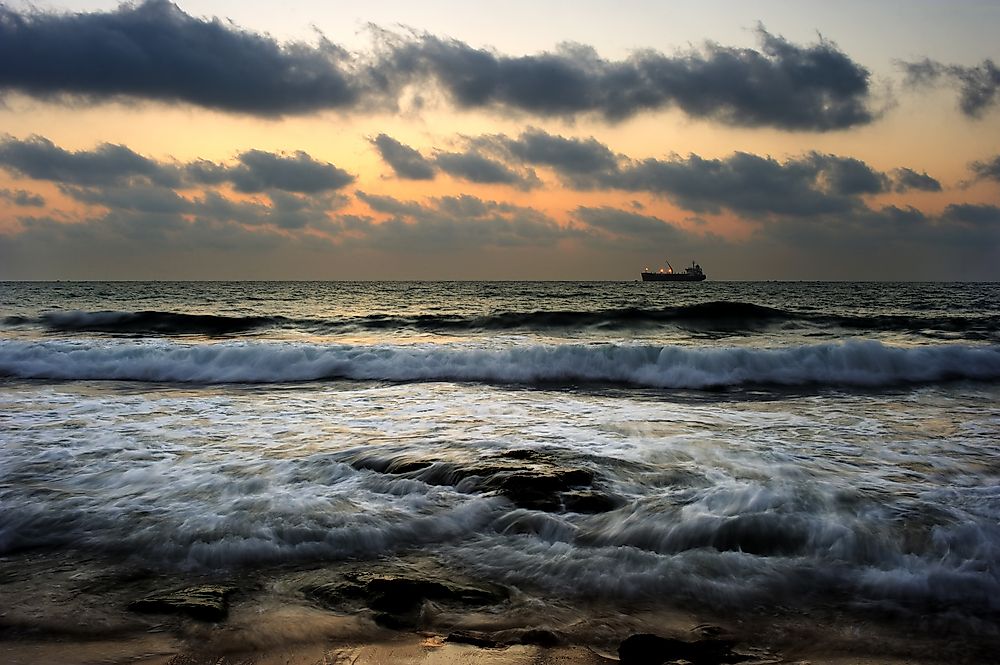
<point>153,50</point>
<point>783,85</point>
<point>988,170</point>
<point>117,166</point>
<point>20,197</point>
<point>119,235</point>
<point>135,198</point>
<point>453,222</point>
<point>619,224</point>
<point>975,215</point>
<point>40,159</point>
<point>747,184</point>
<point>471,164</point>
<point>744,183</point>
<point>905,179</point>
<point>404,160</point>
<point>752,185</point>
<point>260,171</point>
<point>568,156</point>
<point>474,167</point>
<point>978,86</point>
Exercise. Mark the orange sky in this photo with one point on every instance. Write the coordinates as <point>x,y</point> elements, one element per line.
<point>524,231</point>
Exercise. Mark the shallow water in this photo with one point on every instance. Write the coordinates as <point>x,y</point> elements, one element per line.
<point>811,446</point>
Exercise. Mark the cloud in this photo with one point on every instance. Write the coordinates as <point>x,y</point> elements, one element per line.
<point>623,225</point>
<point>151,199</point>
<point>568,156</point>
<point>817,87</point>
<point>905,179</point>
<point>108,164</point>
<point>978,86</point>
<point>749,184</point>
<point>260,171</point>
<point>155,51</point>
<point>988,170</point>
<point>453,222</point>
<point>982,216</point>
<point>404,160</point>
<point>20,197</point>
<point>474,167</point>
<point>470,165</point>
<point>118,166</point>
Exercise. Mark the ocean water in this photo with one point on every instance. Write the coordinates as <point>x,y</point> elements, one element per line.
<point>812,446</point>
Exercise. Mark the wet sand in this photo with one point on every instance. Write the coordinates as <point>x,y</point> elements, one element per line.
<point>65,609</point>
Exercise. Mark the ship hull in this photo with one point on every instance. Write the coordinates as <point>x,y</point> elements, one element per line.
<point>671,277</point>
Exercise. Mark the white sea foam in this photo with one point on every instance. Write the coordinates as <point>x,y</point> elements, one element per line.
<point>861,363</point>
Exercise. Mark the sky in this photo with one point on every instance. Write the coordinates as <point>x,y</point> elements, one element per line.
<point>771,140</point>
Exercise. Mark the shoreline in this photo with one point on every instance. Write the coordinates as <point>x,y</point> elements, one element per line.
<point>63,608</point>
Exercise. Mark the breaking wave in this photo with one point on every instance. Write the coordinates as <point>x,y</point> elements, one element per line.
<point>858,363</point>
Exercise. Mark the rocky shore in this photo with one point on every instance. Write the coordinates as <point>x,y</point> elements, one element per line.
<point>72,609</point>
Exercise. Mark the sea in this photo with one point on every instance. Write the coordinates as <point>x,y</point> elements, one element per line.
<point>785,448</point>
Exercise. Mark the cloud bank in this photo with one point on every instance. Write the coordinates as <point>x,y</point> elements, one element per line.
<point>813,205</point>
<point>155,51</point>
<point>749,185</point>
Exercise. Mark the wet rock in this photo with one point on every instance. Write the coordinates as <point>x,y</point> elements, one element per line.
<point>334,594</point>
<point>398,598</point>
<point>531,479</point>
<point>206,603</point>
<point>398,621</point>
<point>394,593</point>
<point>534,636</point>
<point>475,638</point>
<point>589,501</point>
<point>539,637</point>
<point>647,649</point>
<point>393,465</point>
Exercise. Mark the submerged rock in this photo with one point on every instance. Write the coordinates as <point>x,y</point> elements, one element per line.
<point>208,602</point>
<point>531,479</point>
<point>647,649</point>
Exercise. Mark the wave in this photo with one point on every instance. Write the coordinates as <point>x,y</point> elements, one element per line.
<point>716,315</point>
<point>860,363</point>
<point>145,322</point>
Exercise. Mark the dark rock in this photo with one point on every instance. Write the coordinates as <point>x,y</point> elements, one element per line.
<point>646,649</point>
<point>539,637</point>
<point>523,454</point>
<point>401,621</point>
<point>589,501</point>
<point>394,465</point>
<point>205,603</point>
<point>531,479</point>
<point>335,594</point>
<point>398,598</point>
<point>474,638</point>
<point>534,636</point>
<point>396,593</point>
<point>537,488</point>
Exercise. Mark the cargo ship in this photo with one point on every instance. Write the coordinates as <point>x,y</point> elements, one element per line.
<point>693,273</point>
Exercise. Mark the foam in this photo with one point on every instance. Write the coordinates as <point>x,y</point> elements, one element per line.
<point>856,363</point>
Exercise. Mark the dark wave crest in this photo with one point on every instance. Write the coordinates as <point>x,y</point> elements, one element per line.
<point>717,315</point>
<point>153,322</point>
